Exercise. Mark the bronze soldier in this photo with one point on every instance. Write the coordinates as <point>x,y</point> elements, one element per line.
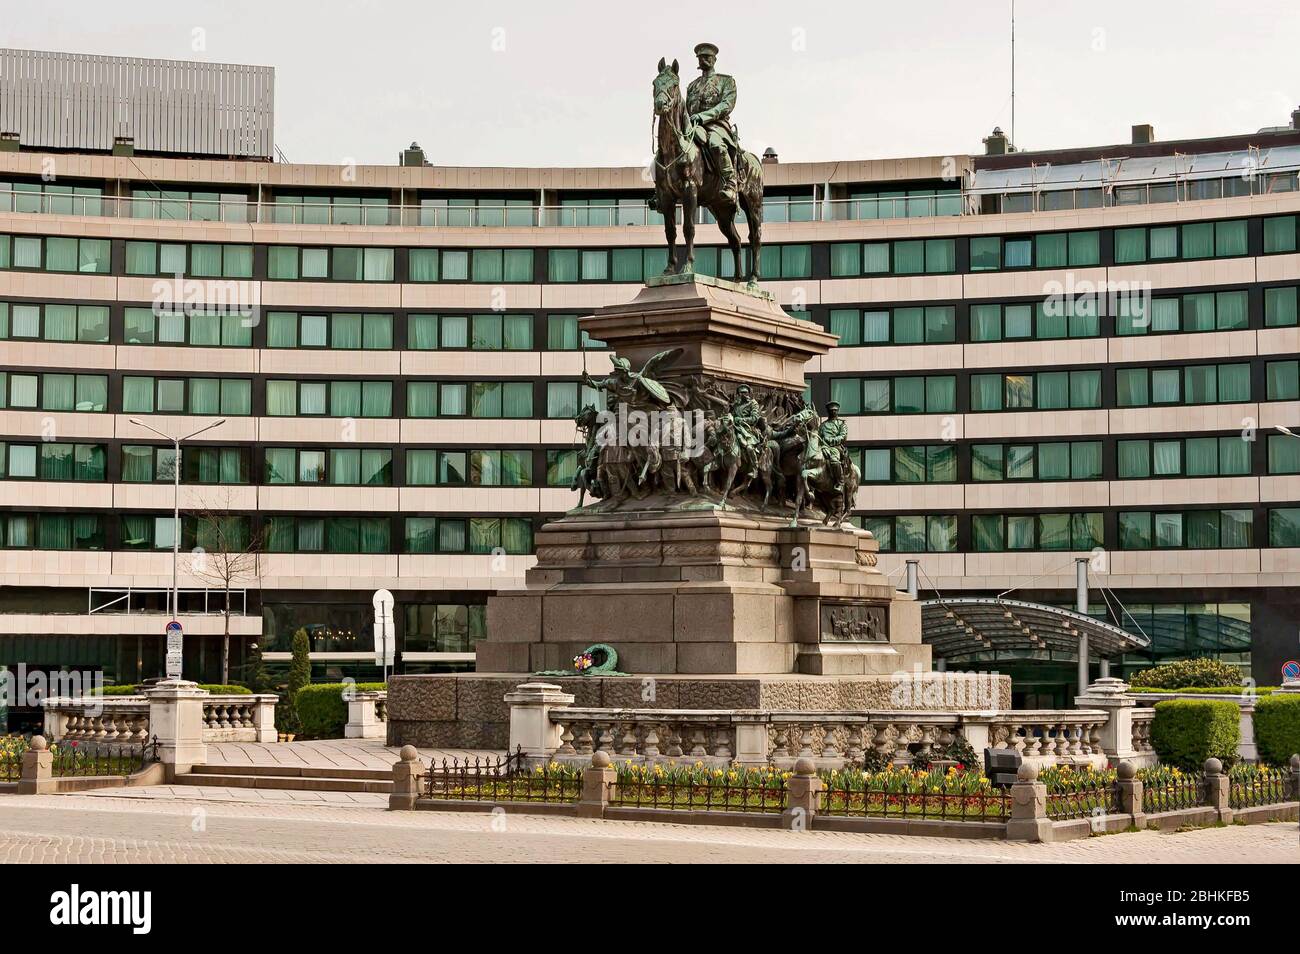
<point>709,102</point>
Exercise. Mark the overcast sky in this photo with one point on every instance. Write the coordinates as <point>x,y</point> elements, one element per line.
<point>567,82</point>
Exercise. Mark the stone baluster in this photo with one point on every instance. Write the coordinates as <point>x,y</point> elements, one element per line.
<point>628,747</point>
<point>566,741</point>
<point>650,748</point>
<point>926,740</point>
<point>830,748</point>
<point>806,741</point>
<point>780,737</point>
<point>1028,744</point>
<point>902,737</point>
<point>698,751</point>
<point>1076,736</point>
<point>722,748</point>
<point>584,738</point>
<point>673,732</point>
<point>881,739</point>
<point>605,738</point>
<point>853,751</point>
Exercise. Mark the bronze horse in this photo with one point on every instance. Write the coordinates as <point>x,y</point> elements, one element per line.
<point>680,176</point>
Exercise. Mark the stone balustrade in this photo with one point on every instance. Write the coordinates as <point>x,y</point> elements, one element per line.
<point>831,739</point>
<point>1141,736</point>
<point>239,718</point>
<point>118,719</point>
<point>367,715</point>
<point>1072,736</point>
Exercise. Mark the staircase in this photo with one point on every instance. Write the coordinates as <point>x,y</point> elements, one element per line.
<point>310,778</point>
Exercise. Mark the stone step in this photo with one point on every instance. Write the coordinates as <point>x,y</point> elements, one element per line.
<point>296,771</point>
<point>298,783</point>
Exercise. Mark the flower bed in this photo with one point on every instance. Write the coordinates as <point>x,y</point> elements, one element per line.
<point>699,788</point>
<point>1253,785</point>
<point>958,794</point>
<point>77,759</point>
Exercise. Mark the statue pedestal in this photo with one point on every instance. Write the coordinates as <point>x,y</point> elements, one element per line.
<point>705,592</point>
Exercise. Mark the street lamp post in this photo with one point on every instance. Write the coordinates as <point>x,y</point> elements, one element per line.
<point>176,501</point>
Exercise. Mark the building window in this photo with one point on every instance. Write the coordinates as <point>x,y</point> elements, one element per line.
<point>147,395</point>
<point>329,398</point>
<point>934,324</point>
<point>341,331</point>
<point>935,394</point>
<point>1047,460</point>
<point>54,322</point>
<point>196,260</point>
<point>512,535</point>
<point>210,329</point>
<point>999,532</point>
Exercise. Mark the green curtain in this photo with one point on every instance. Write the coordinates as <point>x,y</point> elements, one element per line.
<point>909,325</point>
<point>423,264</point>
<point>846,259</point>
<point>59,392</point>
<point>1085,248</point>
<point>455,331</point>
<point>875,464</point>
<point>796,261</point>
<point>1201,385</point>
<point>60,254</point>
<point>1134,459</point>
<point>421,468</point>
<point>1230,309</point>
<point>1198,240</point>
<point>909,395</point>
<point>847,392</point>
<point>562,265</point>
<point>986,392</point>
<point>875,327</point>
<point>281,398</point>
<point>375,535</point>
<point>940,394</point>
<point>204,396</point>
<point>517,332</point>
<point>1230,238</point>
<point>1167,529</point>
<point>1054,461</point>
<point>377,332</point>
<point>985,253</point>
<point>562,332</point>
<point>421,399</point>
<point>453,400</point>
<point>90,462</point>
<point>985,322</point>
<point>561,399</point>
<point>451,536</point>
<point>1053,390</point>
<point>1202,529</point>
<point>345,332</point>
<point>1167,458</point>
<point>282,329</point>
<point>1134,531</point>
<point>1279,306</point>
<point>1018,321</point>
<point>909,257</point>
<point>1234,456</point>
<point>1085,460</point>
<point>1166,314</point>
<point>517,535</point>
<point>377,399</point>
<point>1020,531</point>
<point>1283,454</point>
<point>1054,531</point>
<point>60,322</point>
<point>378,265</point>
<point>236,397</point>
<point>1130,245</point>
<point>518,265</point>
<point>1053,322</point>
<point>1234,382</point>
<point>485,399</point>
<point>56,461</point>
<point>875,258</point>
<point>344,467</point>
<point>847,323</point>
<point>941,464</point>
<point>517,468</point>
<point>1165,386</point>
<point>422,332</point>
<point>1131,387</point>
<point>1085,389</point>
<point>54,532</point>
<point>345,399</point>
<point>137,463</point>
<point>1050,250</point>
<point>205,261</point>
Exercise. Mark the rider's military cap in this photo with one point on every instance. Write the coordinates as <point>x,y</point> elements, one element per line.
<point>704,48</point>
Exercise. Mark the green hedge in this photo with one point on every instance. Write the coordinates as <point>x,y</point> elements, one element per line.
<point>1277,728</point>
<point>1212,690</point>
<point>216,690</point>
<point>1203,671</point>
<point>1186,732</point>
<point>321,709</point>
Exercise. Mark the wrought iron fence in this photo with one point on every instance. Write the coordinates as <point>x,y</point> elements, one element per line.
<point>1252,785</point>
<point>504,778</point>
<point>1166,791</point>
<point>1084,798</point>
<point>699,788</point>
<point>74,759</point>
<point>903,794</point>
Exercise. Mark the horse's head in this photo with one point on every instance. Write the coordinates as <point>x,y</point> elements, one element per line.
<point>667,88</point>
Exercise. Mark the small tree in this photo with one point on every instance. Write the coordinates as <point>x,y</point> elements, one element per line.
<point>226,557</point>
<point>299,676</point>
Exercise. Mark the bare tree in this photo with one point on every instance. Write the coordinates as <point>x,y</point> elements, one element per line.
<point>226,556</point>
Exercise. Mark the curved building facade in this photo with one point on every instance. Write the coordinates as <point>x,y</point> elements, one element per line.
<point>1041,356</point>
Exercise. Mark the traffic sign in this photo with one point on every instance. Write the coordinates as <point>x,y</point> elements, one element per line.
<point>1290,670</point>
<point>175,650</point>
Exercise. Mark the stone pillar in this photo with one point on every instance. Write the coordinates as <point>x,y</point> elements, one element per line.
<point>531,728</point>
<point>803,796</point>
<point>751,738</point>
<point>176,721</point>
<point>1292,781</point>
<point>264,717</point>
<point>1247,751</point>
<point>1130,793</point>
<point>55,719</point>
<point>1029,821</point>
<point>38,768</point>
<point>407,771</point>
<point>596,782</point>
<point>363,717</point>
<point>1215,793</point>
<point>1117,734</point>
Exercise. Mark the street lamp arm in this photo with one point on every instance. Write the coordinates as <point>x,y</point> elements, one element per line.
<point>202,430</point>
<point>139,423</point>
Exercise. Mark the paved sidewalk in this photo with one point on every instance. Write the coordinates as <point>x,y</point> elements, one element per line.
<point>72,828</point>
<point>215,793</point>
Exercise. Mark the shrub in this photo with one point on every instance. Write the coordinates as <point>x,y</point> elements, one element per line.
<point>1188,672</point>
<point>1186,732</point>
<point>214,688</point>
<point>1212,690</point>
<point>322,712</point>
<point>286,713</point>
<point>1277,728</point>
